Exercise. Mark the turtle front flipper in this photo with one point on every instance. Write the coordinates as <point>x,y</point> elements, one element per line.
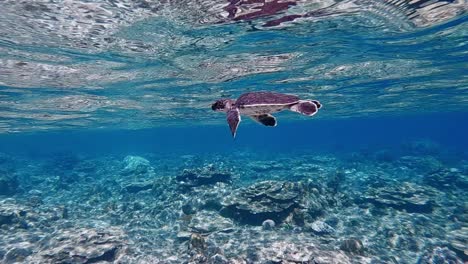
<point>233,119</point>
<point>266,119</point>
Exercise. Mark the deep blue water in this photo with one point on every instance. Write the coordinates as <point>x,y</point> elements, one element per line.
<point>335,136</point>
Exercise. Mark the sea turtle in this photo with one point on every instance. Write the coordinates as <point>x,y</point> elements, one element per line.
<point>260,105</point>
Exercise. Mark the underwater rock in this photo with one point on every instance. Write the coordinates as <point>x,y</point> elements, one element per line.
<point>17,215</point>
<point>265,166</point>
<point>8,184</point>
<point>439,255</point>
<point>316,199</point>
<point>219,259</point>
<point>207,222</point>
<point>189,208</point>
<point>136,187</point>
<point>197,258</point>
<point>460,212</point>
<point>289,253</point>
<point>422,164</point>
<point>82,245</point>
<point>445,178</point>
<point>458,240</point>
<point>17,254</point>
<point>407,196</point>
<point>12,213</point>
<point>197,242</point>
<point>136,166</point>
<point>268,224</point>
<point>273,200</point>
<point>7,218</point>
<point>205,175</point>
<point>336,180</point>
<point>353,246</point>
<point>183,236</point>
<point>321,228</point>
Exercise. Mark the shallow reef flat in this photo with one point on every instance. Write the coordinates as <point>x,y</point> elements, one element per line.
<point>404,206</point>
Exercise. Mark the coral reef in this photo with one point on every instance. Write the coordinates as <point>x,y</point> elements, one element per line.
<point>275,209</point>
<point>409,197</point>
<point>321,228</point>
<point>136,166</point>
<point>268,224</point>
<point>205,175</point>
<point>352,245</point>
<point>82,245</point>
<point>446,178</point>
<point>458,240</point>
<point>261,201</point>
<point>440,255</point>
<point>135,187</point>
<point>8,184</point>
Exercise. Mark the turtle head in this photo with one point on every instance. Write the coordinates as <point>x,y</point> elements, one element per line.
<point>222,105</point>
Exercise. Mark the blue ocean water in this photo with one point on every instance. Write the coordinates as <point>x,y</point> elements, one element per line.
<point>309,136</point>
<point>110,151</point>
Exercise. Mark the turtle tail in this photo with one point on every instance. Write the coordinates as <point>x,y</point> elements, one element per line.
<point>306,107</point>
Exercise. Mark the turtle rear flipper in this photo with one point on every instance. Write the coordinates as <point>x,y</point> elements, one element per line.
<point>317,103</point>
<point>267,119</point>
<point>305,107</point>
<point>233,119</point>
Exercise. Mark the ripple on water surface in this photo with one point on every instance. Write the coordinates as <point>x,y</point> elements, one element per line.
<point>96,64</point>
